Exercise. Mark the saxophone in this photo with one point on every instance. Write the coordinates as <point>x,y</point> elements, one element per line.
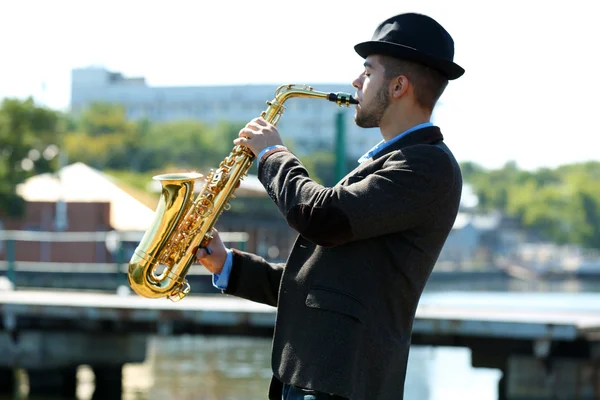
<point>181,225</point>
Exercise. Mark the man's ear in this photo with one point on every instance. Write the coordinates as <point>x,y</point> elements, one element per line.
<point>399,86</point>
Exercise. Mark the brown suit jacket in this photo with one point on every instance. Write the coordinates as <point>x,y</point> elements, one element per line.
<point>347,295</point>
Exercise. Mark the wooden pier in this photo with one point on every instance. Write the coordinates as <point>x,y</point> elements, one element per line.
<point>527,336</point>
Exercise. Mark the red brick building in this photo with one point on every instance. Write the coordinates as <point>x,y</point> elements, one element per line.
<point>81,199</point>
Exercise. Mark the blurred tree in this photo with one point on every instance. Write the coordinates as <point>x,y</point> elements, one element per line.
<point>103,137</point>
<point>321,166</point>
<point>561,204</point>
<point>29,144</point>
<point>186,144</point>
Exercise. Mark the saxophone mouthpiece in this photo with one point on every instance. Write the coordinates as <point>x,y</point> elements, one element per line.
<point>342,99</point>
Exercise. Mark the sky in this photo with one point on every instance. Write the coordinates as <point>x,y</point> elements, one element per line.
<point>529,93</point>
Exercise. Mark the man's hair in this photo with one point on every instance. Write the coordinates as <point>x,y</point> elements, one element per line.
<point>429,84</point>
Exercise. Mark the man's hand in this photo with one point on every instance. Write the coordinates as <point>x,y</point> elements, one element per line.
<point>213,259</point>
<point>257,135</point>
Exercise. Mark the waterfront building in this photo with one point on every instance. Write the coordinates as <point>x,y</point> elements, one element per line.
<point>308,123</point>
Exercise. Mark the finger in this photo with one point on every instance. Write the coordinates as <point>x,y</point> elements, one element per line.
<point>246,133</point>
<point>241,141</point>
<point>201,253</point>
<point>260,121</point>
<point>253,126</point>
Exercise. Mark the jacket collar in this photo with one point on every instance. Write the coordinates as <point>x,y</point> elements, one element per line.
<point>427,135</point>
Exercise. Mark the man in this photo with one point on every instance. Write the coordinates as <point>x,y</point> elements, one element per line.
<point>347,295</point>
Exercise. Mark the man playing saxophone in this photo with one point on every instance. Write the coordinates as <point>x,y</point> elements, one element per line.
<point>346,297</point>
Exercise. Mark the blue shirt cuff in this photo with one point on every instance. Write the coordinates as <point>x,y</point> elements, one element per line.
<point>220,281</point>
<point>262,153</point>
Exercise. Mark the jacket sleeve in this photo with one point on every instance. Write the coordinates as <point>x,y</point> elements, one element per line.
<point>398,196</point>
<point>253,278</point>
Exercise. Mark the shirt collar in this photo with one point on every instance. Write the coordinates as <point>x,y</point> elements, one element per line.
<point>383,144</point>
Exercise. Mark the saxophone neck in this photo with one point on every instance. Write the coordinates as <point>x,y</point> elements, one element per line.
<point>284,92</point>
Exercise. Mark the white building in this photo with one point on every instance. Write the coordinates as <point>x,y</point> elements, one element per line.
<point>309,123</point>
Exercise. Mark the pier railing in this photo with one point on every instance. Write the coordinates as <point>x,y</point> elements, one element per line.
<point>113,241</point>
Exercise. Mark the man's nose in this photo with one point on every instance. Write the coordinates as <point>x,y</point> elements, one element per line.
<point>357,83</point>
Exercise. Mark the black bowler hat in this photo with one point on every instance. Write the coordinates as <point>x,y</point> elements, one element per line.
<point>414,37</point>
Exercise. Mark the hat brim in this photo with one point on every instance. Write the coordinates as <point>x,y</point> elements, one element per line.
<point>450,69</point>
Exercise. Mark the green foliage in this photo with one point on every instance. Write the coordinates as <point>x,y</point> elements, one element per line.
<point>322,165</point>
<point>29,139</point>
<point>562,204</point>
<point>101,118</point>
<point>104,138</point>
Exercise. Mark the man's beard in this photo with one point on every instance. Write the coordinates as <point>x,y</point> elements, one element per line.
<point>371,117</point>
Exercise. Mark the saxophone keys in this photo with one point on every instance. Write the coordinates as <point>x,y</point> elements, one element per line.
<point>179,292</point>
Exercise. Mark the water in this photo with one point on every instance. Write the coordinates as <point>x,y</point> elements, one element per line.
<point>236,368</point>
